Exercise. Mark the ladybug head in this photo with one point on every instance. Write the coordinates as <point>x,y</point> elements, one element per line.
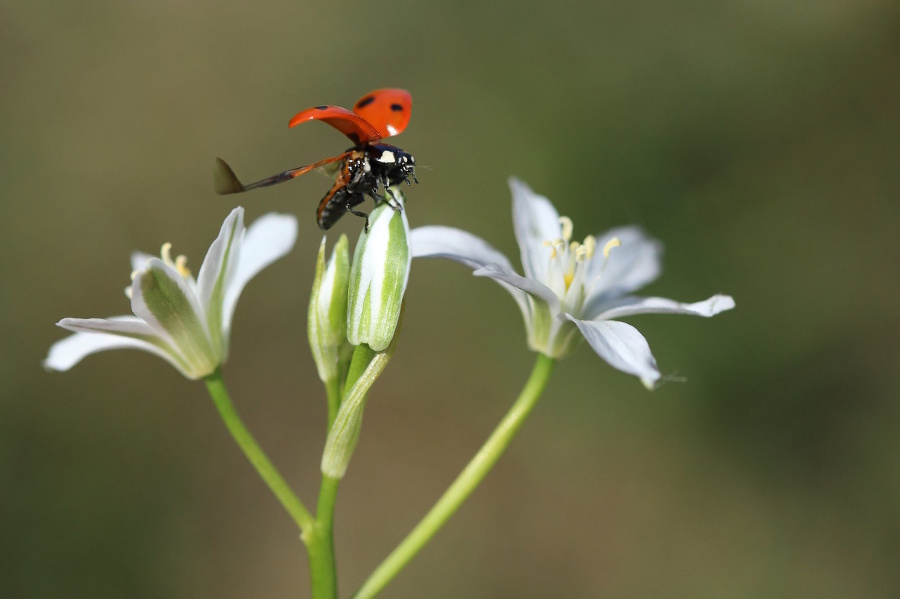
<point>391,163</point>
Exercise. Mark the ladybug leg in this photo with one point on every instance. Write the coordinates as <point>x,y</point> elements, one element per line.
<point>359,214</point>
<point>392,200</point>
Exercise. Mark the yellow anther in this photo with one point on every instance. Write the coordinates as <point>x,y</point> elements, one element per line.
<point>567,226</point>
<point>590,244</point>
<point>612,243</point>
<point>552,246</point>
<point>581,253</point>
<point>181,266</point>
<point>179,263</point>
<point>573,247</point>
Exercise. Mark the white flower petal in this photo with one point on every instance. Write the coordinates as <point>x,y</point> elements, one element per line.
<point>269,238</point>
<point>634,263</point>
<point>221,260</point>
<point>139,260</point>
<point>535,221</point>
<point>622,346</point>
<point>470,250</point>
<point>455,244</point>
<point>535,288</point>
<point>630,306</point>
<point>131,326</point>
<point>93,335</point>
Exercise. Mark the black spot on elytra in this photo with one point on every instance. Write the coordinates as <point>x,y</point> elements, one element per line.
<point>396,107</point>
<point>323,107</point>
<point>365,101</point>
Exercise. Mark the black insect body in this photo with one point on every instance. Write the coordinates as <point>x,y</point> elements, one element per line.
<point>364,170</point>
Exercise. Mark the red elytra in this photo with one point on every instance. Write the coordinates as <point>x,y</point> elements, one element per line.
<point>379,114</point>
<point>368,164</point>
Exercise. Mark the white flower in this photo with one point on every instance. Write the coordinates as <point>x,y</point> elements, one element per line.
<point>184,321</point>
<point>571,290</point>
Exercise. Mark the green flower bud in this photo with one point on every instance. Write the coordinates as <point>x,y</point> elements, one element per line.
<point>327,323</point>
<point>378,277</point>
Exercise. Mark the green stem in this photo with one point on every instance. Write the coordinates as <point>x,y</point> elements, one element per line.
<point>255,454</point>
<point>333,392</point>
<point>465,483</point>
<point>320,540</point>
<point>320,543</point>
<point>362,357</point>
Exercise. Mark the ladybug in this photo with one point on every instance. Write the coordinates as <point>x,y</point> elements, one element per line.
<point>360,169</point>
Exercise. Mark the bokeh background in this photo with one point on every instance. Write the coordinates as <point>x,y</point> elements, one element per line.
<point>759,140</point>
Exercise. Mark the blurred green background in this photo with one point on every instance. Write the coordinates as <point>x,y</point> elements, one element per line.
<point>760,141</point>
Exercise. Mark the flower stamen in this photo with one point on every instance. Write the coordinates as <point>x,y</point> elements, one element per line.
<point>552,246</point>
<point>181,266</point>
<point>567,227</point>
<point>612,243</point>
<point>581,254</point>
<point>179,263</point>
<point>590,245</point>
<point>165,252</point>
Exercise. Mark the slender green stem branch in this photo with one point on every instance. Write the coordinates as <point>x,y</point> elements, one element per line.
<point>465,483</point>
<point>255,454</point>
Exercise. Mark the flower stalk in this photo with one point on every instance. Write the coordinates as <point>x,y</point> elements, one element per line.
<point>465,484</point>
<point>267,471</point>
<point>320,543</point>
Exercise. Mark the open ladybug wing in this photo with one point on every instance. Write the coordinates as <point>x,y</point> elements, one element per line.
<point>226,182</point>
<point>350,124</point>
<point>387,110</point>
